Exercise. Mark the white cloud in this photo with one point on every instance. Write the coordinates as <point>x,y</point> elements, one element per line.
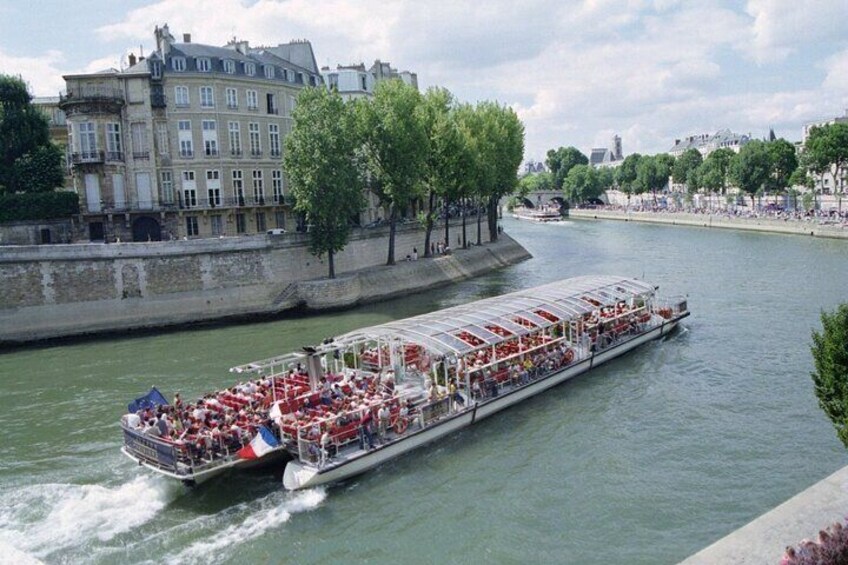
<point>42,72</point>
<point>781,27</point>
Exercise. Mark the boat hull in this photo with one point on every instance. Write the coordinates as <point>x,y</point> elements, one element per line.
<point>299,476</point>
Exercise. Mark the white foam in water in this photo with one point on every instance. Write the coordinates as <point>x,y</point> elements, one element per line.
<point>48,517</point>
<point>253,526</point>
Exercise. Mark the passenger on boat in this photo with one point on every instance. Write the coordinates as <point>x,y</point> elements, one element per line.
<point>366,435</point>
<point>383,416</point>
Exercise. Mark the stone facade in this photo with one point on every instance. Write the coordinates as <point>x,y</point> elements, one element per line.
<point>186,142</point>
<point>52,291</point>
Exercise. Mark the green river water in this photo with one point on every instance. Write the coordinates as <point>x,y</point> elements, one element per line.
<point>644,460</point>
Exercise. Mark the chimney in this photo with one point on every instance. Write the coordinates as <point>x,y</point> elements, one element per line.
<point>186,38</point>
<point>132,59</point>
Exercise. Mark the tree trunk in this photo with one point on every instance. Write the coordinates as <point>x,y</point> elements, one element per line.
<point>331,264</point>
<point>392,226</point>
<point>464,234</point>
<point>447,221</point>
<point>429,224</point>
<point>479,224</point>
<point>492,212</point>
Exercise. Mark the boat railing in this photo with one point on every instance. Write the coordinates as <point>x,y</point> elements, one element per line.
<point>671,307</point>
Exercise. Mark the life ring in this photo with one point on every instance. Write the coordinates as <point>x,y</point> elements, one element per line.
<point>402,425</point>
<point>569,356</point>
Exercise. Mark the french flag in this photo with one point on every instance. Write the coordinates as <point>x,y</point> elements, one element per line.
<point>259,445</point>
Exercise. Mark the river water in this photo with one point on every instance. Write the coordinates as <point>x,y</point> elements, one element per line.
<point>644,460</point>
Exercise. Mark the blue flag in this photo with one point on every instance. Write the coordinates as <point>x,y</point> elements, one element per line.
<point>149,400</point>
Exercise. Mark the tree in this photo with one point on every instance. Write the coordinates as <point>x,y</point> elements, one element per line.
<point>581,184</point>
<point>750,169</point>
<point>783,162</point>
<point>320,162</point>
<point>713,172</point>
<point>826,150</point>
<point>606,178</point>
<point>442,165</point>
<point>652,173</point>
<point>830,378</point>
<point>535,182</point>
<point>684,170</point>
<point>503,143</point>
<point>561,161</point>
<point>394,147</point>
<point>29,162</point>
<point>625,174</point>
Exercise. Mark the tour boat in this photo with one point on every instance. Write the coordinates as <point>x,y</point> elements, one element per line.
<point>542,214</point>
<point>354,401</point>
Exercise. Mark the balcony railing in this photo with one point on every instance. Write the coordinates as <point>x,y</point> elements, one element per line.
<point>223,202</point>
<point>87,157</point>
<point>91,99</point>
<point>114,155</point>
<point>141,154</point>
<point>92,92</point>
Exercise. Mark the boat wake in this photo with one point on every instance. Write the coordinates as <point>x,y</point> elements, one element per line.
<point>52,519</point>
<point>273,511</point>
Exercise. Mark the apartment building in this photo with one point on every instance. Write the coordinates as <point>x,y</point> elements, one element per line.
<point>706,143</point>
<point>186,142</point>
<point>356,81</point>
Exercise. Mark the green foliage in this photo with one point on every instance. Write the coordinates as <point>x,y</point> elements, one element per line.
<point>713,173</point>
<point>320,162</point>
<point>395,147</point>
<point>652,172</point>
<point>38,206</point>
<point>606,178</point>
<point>625,175</point>
<point>783,162</point>
<point>28,160</point>
<point>581,184</point>
<point>561,161</point>
<point>750,169</point>
<point>684,170</point>
<point>826,149</point>
<point>830,378</point>
<point>535,182</point>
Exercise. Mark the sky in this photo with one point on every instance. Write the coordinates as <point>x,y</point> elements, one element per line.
<point>576,71</point>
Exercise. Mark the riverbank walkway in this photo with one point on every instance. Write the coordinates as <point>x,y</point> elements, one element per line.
<point>816,227</point>
<point>764,539</point>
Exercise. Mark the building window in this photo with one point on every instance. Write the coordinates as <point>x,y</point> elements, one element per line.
<point>253,136</point>
<point>238,187</point>
<point>210,138</point>
<point>167,182</point>
<point>232,99</point>
<point>252,100</point>
<point>234,133</point>
<point>140,148</point>
<point>213,187</point>
<point>217,224</point>
<point>271,102</point>
<point>277,186</point>
<point>280,219</point>
<point>186,144</point>
<point>155,69</point>
<point>241,223</point>
<point>274,139</point>
<point>364,83</point>
<point>189,190</point>
<point>229,66</point>
<point>113,142</point>
<point>162,138</point>
<point>178,63</point>
<point>207,97</point>
<point>269,71</point>
<point>258,187</point>
<point>250,69</point>
<point>284,74</point>
<point>87,141</point>
<point>204,65</point>
<point>181,96</point>
<point>260,222</point>
<point>191,226</point>
<point>299,78</point>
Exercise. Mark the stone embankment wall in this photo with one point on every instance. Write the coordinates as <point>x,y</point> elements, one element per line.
<point>797,227</point>
<point>63,290</point>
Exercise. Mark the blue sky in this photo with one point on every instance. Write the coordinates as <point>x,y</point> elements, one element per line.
<point>577,72</point>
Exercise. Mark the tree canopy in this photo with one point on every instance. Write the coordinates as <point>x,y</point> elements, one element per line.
<point>29,162</point>
<point>830,378</point>
<point>394,148</point>
<point>783,161</point>
<point>685,169</point>
<point>826,149</point>
<point>561,161</point>
<point>625,174</point>
<point>582,184</point>
<point>320,162</point>
<point>713,172</point>
<point>751,168</point>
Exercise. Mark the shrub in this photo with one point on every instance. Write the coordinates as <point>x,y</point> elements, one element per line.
<point>38,206</point>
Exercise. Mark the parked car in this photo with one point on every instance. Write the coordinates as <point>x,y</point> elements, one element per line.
<point>276,231</point>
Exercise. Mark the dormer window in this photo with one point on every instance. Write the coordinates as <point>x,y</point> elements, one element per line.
<point>229,66</point>
<point>269,71</point>
<point>250,69</point>
<point>178,63</point>
<point>204,65</point>
<point>155,69</point>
